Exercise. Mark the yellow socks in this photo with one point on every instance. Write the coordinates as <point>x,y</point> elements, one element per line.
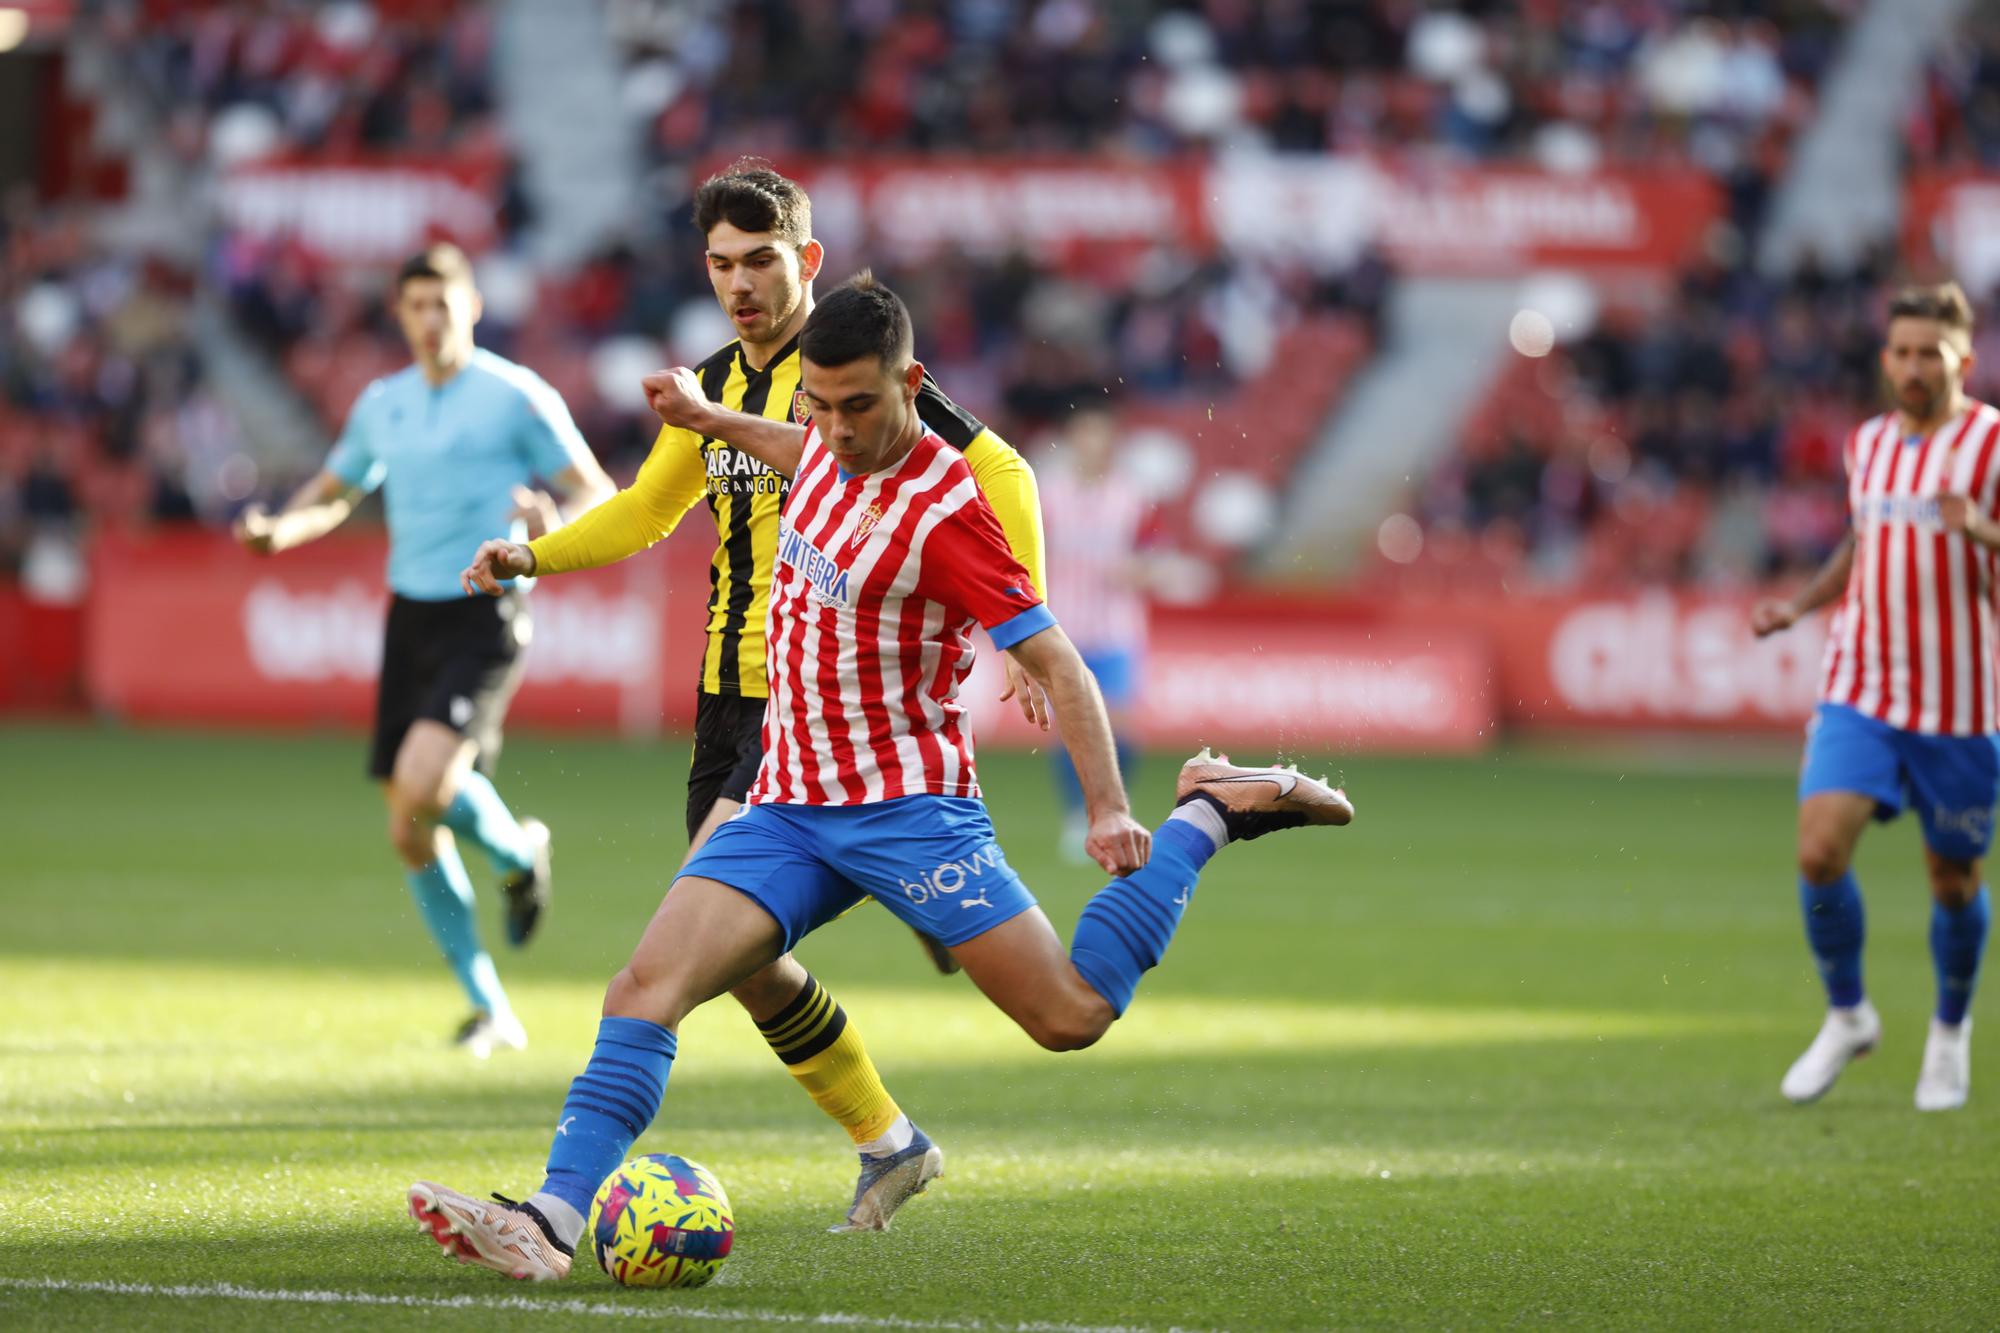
<point>824,1053</point>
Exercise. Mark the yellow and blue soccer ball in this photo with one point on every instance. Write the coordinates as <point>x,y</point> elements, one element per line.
<point>660,1221</point>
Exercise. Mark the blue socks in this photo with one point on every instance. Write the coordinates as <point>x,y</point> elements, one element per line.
<point>609,1106</point>
<point>444,895</point>
<point>1125,928</point>
<point>479,815</point>
<point>1835,928</point>
<point>1957,940</point>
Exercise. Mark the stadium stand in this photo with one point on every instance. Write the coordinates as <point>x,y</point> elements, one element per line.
<point>1691,434</point>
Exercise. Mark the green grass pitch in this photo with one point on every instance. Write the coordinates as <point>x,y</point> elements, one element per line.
<point>1506,1051</point>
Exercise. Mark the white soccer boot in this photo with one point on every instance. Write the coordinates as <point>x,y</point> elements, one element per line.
<point>483,1033</point>
<point>1256,801</point>
<point>1847,1034</point>
<point>1947,1075</point>
<point>501,1236</point>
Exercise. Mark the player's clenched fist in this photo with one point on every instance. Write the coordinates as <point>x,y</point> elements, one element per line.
<point>1959,514</point>
<point>676,398</point>
<point>497,560</point>
<point>1771,615</point>
<point>1119,843</point>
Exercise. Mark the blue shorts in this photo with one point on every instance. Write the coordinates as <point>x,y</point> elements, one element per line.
<point>932,860</point>
<point>1117,672</point>
<point>1951,780</point>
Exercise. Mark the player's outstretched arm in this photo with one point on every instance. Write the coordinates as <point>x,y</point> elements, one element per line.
<point>1777,613</point>
<point>677,399</point>
<point>1118,842</point>
<point>315,509</point>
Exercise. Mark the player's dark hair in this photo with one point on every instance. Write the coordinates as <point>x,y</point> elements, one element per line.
<point>1945,302</point>
<point>750,195</point>
<point>859,318</point>
<point>446,263</point>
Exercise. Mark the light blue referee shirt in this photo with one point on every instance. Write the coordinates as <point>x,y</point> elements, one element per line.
<point>451,457</point>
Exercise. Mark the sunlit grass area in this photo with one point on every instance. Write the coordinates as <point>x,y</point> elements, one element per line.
<point>1506,1050</point>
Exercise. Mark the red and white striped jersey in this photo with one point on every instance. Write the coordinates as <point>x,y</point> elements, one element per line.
<point>1094,530</point>
<point>1913,642</point>
<point>878,582</point>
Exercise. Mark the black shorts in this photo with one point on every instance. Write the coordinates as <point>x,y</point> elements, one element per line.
<point>728,747</point>
<point>457,662</point>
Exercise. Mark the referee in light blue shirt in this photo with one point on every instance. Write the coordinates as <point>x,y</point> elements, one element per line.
<point>459,439</point>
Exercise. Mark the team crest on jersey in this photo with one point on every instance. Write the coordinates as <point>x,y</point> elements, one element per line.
<point>801,409</point>
<point>869,518</point>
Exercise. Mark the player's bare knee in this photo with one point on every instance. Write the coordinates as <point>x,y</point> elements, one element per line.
<point>1954,883</point>
<point>655,997</point>
<point>416,793</point>
<point>413,837</point>
<point>1822,860</point>
<point>768,990</point>
<point>1073,1025</point>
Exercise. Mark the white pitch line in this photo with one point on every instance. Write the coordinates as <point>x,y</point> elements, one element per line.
<point>229,1291</point>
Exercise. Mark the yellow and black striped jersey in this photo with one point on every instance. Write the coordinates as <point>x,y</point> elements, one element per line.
<point>745,498</point>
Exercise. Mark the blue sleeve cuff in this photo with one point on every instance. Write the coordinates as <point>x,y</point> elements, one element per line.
<point>1023,626</point>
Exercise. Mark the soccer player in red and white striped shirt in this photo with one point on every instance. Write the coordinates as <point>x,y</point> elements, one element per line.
<point>1098,573</point>
<point>887,559</point>
<point>1908,703</point>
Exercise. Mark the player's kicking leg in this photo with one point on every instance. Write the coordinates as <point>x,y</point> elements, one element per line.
<point>1066,1002</point>
<point>428,763</point>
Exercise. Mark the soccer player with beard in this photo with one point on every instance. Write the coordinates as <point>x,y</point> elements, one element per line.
<point>1908,707</point>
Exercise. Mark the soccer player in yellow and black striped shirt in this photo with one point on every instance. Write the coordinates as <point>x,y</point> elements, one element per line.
<point>734,434</point>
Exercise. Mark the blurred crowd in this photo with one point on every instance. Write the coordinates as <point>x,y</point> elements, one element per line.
<point>1691,437</point>
<point>104,411</point>
<point>1958,121</point>
<point>1697,439</point>
<point>250,80</point>
<point>1629,79</point>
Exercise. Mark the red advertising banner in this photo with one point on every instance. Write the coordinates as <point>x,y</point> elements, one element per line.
<point>1656,660</point>
<point>1430,218</point>
<point>41,653</point>
<point>376,209</point>
<point>189,627</point>
<point>915,207</point>
<point>1287,684</point>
